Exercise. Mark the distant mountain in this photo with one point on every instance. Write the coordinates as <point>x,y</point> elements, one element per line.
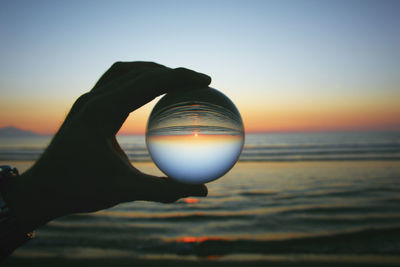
<point>15,132</point>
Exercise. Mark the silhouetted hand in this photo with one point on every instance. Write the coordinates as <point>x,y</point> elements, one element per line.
<point>84,169</point>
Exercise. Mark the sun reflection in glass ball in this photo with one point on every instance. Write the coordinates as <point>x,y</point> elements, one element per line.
<point>195,136</point>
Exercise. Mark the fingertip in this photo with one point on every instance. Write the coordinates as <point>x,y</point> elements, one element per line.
<point>196,190</point>
<point>198,77</point>
<point>207,79</point>
<point>186,190</point>
<point>204,191</point>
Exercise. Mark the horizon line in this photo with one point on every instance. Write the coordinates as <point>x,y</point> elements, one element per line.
<point>396,129</point>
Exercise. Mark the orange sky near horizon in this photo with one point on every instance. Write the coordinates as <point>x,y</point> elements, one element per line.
<point>45,118</point>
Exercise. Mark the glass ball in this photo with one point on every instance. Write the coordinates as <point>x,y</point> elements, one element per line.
<point>195,136</point>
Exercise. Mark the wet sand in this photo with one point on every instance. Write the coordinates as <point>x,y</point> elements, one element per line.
<point>62,262</point>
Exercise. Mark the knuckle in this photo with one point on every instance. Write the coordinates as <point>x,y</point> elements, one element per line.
<point>83,98</point>
<point>80,102</point>
<point>151,64</point>
<point>117,65</point>
<point>181,70</point>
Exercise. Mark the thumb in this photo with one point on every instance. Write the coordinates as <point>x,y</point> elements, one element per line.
<point>158,189</point>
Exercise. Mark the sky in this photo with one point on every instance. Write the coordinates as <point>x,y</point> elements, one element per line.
<point>289,66</point>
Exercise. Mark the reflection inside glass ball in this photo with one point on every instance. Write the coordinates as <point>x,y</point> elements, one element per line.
<point>195,136</point>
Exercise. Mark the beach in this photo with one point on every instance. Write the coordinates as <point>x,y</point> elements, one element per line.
<point>285,212</point>
<point>284,221</point>
<point>382,261</point>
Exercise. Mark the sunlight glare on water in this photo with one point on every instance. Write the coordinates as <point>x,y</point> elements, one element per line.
<point>195,136</point>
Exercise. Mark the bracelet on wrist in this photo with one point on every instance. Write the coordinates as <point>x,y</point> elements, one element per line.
<point>11,234</point>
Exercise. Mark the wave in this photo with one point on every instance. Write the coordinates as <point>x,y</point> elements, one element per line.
<point>140,154</point>
<point>384,241</point>
<point>374,240</point>
<point>161,217</point>
<point>257,148</point>
<point>338,192</point>
<point>258,193</point>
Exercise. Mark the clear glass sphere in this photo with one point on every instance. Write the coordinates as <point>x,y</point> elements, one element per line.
<point>195,136</point>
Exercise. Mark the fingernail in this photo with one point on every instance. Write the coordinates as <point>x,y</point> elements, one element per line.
<point>203,191</point>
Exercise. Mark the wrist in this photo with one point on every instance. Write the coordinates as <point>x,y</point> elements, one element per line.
<point>13,233</point>
<point>26,202</point>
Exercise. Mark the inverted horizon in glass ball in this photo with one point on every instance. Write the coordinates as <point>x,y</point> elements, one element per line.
<point>195,136</point>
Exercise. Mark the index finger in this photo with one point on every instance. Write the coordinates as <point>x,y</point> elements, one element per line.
<point>112,108</point>
<point>119,69</point>
<point>155,83</point>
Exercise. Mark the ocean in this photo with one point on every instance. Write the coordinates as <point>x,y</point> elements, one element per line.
<point>322,197</point>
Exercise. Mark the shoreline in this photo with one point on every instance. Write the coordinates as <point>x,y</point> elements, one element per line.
<point>370,260</point>
<point>309,194</point>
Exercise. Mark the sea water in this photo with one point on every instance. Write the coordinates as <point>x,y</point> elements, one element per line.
<point>293,196</point>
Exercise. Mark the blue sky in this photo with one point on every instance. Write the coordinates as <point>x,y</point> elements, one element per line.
<point>259,53</point>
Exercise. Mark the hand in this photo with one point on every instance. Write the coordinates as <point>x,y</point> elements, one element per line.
<point>84,169</point>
